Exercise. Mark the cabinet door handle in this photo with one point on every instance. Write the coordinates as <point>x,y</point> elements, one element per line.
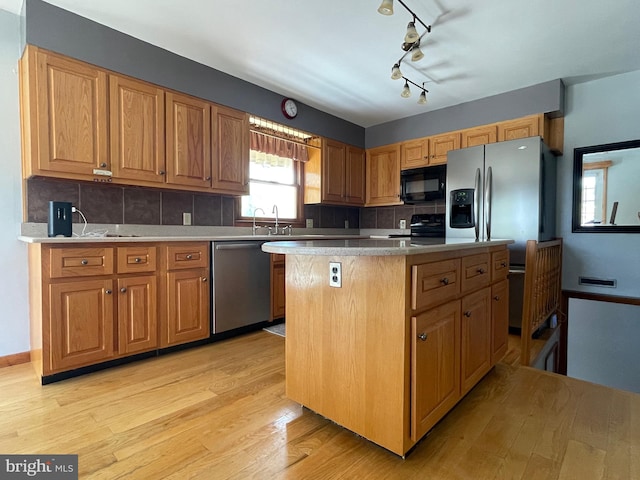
<point>503,264</point>
<point>496,298</point>
<point>481,271</point>
<point>103,165</point>
<point>444,281</point>
<point>207,178</point>
<point>161,172</point>
<point>123,289</point>
<point>467,313</point>
<point>423,337</point>
<point>84,261</point>
<point>204,279</point>
<point>108,292</point>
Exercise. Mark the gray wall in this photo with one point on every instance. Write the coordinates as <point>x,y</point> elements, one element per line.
<point>602,344</point>
<point>546,97</point>
<point>14,319</point>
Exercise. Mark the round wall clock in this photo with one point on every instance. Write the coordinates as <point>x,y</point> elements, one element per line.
<point>289,108</point>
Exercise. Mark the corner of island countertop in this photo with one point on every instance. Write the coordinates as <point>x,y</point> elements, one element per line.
<point>375,246</point>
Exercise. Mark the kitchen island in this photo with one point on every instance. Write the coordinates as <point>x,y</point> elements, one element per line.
<point>385,336</point>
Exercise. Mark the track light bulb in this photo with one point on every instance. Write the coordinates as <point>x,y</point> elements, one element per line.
<point>423,98</point>
<point>386,7</point>
<point>395,72</point>
<point>416,54</point>
<point>406,91</point>
<point>411,35</point>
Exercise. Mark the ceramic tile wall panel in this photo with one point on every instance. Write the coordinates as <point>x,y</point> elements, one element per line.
<point>207,210</point>
<point>228,211</point>
<point>102,203</point>
<point>174,204</point>
<point>40,191</point>
<point>142,206</point>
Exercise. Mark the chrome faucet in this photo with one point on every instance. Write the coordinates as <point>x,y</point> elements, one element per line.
<point>254,218</point>
<point>275,210</point>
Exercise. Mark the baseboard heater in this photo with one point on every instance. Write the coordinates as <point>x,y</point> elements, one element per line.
<point>597,282</point>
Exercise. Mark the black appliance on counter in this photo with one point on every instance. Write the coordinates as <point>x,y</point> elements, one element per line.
<point>59,219</point>
<point>423,184</point>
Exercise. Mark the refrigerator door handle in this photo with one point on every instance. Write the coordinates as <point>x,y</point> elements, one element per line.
<point>487,202</point>
<point>476,204</point>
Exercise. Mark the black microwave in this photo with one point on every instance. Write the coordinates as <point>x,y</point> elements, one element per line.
<point>423,184</point>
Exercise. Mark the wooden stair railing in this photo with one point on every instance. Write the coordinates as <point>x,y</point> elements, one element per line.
<point>542,290</point>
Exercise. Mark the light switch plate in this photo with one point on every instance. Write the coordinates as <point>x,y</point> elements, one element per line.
<point>309,223</point>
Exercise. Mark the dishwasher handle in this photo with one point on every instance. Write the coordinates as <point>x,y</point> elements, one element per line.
<point>239,246</point>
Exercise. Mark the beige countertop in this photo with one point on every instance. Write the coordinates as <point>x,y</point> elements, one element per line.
<point>374,246</point>
<point>99,233</point>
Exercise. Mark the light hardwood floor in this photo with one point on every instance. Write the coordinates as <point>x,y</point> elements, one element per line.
<point>220,411</point>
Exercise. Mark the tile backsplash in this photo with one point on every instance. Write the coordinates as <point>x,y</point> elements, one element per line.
<point>117,204</point>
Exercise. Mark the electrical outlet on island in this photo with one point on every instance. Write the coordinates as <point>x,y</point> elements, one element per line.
<point>309,222</point>
<point>186,218</point>
<point>403,223</point>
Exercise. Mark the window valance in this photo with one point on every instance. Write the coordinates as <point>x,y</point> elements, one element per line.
<point>265,149</point>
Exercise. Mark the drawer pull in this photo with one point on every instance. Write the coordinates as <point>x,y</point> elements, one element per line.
<point>503,264</point>
<point>481,271</point>
<point>137,260</point>
<point>84,261</point>
<point>204,279</point>
<point>108,292</point>
<point>423,337</point>
<point>123,289</point>
<point>467,313</point>
<point>189,256</point>
<point>444,281</point>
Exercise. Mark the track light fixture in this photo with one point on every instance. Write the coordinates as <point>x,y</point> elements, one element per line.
<point>411,45</point>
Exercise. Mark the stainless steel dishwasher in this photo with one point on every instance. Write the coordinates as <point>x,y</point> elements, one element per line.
<point>241,286</point>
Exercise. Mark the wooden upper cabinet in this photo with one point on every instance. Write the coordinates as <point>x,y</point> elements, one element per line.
<point>427,151</point>
<point>230,158</point>
<point>479,136</point>
<point>383,175</point>
<point>355,175</point>
<point>136,114</point>
<point>333,171</point>
<point>521,128</point>
<point>440,145</point>
<point>188,123</point>
<point>335,174</point>
<point>64,105</point>
<point>414,153</point>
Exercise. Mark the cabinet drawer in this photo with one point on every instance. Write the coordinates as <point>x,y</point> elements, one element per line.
<point>434,283</point>
<point>80,262</point>
<point>499,265</point>
<point>187,255</point>
<point>136,259</point>
<point>475,272</point>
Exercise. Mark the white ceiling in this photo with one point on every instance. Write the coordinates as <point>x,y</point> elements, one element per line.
<point>336,55</point>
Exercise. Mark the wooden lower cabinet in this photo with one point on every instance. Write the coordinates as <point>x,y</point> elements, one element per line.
<point>435,366</point>
<point>93,303</point>
<point>187,306</point>
<point>404,339</point>
<point>186,293</point>
<point>500,319</point>
<point>137,314</point>
<point>475,338</point>
<point>81,319</point>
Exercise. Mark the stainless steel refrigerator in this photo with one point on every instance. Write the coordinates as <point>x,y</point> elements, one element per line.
<point>503,190</point>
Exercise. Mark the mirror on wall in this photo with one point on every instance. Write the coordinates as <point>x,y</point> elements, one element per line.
<point>606,194</point>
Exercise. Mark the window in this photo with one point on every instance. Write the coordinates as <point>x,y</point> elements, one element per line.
<point>594,193</point>
<point>277,155</point>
